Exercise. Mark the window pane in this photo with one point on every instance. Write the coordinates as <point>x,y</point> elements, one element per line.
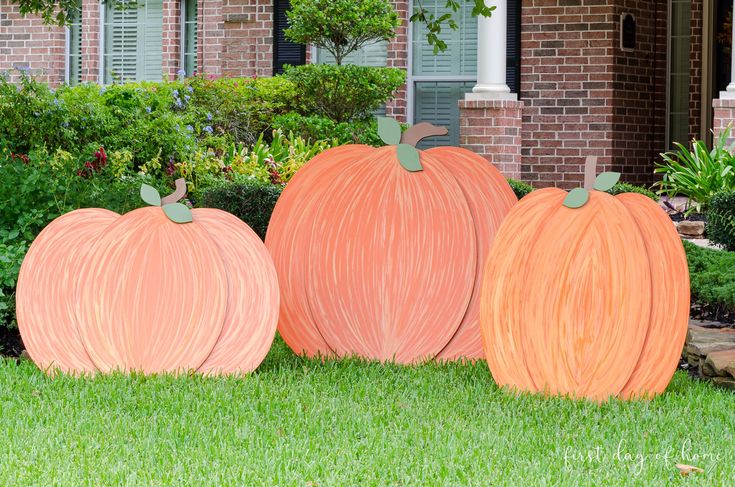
<point>75,46</point>
<point>436,102</point>
<point>679,67</point>
<point>190,37</point>
<point>133,41</point>
<point>460,57</point>
<point>373,54</point>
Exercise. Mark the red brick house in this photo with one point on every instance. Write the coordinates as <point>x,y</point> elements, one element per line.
<point>553,80</point>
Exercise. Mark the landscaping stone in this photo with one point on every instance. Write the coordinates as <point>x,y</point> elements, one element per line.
<point>710,352</point>
<point>689,228</point>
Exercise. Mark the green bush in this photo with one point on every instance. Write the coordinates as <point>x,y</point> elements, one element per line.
<point>11,256</point>
<point>712,277</point>
<point>315,127</point>
<point>721,219</point>
<point>251,201</point>
<point>520,188</point>
<point>344,93</point>
<point>631,188</point>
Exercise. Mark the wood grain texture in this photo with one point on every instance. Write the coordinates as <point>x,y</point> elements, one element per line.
<point>394,264</point>
<point>253,300</point>
<point>670,298</point>
<point>45,299</point>
<point>489,198</point>
<point>152,296</point>
<point>567,297</point>
<point>289,237</point>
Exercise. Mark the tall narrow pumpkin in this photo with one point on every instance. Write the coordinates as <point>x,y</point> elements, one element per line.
<point>161,288</point>
<point>585,294</point>
<point>379,251</point>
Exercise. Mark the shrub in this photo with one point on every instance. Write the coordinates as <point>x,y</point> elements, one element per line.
<point>712,275</point>
<point>341,26</point>
<point>11,256</point>
<point>631,188</point>
<point>697,174</point>
<point>721,219</point>
<point>251,201</point>
<point>344,93</point>
<point>520,188</point>
<point>315,127</point>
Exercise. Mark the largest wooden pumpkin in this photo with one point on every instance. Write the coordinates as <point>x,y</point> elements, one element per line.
<point>379,250</point>
<point>157,289</point>
<point>586,301</point>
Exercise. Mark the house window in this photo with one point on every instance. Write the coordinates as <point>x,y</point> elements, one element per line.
<point>74,47</point>
<point>373,54</point>
<point>440,81</point>
<point>189,36</point>
<point>284,51</point>
<point>133,41</point>
<point>680,15</point>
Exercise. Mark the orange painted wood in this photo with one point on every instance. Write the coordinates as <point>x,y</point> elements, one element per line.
<point>289,237</point>
<point>152,296</point>
<point>394,267</point>
<point>252,307</point>
<point>45,299</point>
<point>489,198</point>
<point>670,301</point>
<point>380,262</point>
<point>569,303</point>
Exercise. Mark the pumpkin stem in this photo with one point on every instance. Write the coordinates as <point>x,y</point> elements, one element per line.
<point>413,135</point>
<point>179,193</point>
<point>590,172</point>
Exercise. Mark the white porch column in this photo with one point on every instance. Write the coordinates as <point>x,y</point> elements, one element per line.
<point>730,93</point>
<point>491,56</point>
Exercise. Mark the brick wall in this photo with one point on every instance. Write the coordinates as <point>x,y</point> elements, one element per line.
<point>27,44</point>
<point>248,38</point>
<point>640,92</point>
<point>567,85</point>
<point>695,83</point>
<point>90,40</point>
<point>724,116</point>
<point>398,58</point>
<point>171,48</point>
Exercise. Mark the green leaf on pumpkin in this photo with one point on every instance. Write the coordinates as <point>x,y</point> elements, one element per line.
<point>408,156</point>
<point>577,198</point>
<point>606,181</point>
<point>150,195</point>
<point>178,212</point>
<point>389,131</point>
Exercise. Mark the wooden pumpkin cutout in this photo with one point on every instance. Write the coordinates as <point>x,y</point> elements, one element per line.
<point>378,251</point>
<point>159,289</point>
<point>585,294</point>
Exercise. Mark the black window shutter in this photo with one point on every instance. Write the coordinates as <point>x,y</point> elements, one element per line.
<point>513,70</point>
<point>284,51</point>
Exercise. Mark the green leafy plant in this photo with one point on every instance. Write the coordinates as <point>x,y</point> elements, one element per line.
<point>341,26</point>
<point>344,93</point>
<point>712,277</point>
<point>721,219</point>
<point>697,174</point>
<point>520,188</point>
<point>251,201</point>
<point>318,127</point>
<point>631,188</point>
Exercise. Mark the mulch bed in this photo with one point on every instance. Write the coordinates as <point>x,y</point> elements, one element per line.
<point>10,343</point>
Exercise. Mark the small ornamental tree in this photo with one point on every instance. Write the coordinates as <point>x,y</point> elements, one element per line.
<point>341,26</point>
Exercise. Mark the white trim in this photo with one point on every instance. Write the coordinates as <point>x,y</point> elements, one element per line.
<point>101,67</point>
<point>409,67</point>
<point>313,53</point>
<point>67,54</point>
<point>182,36</point>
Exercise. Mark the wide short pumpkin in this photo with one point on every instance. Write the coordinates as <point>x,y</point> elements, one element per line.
<point>383,262</point>
<point>587,302</point>
<point>101,291</point>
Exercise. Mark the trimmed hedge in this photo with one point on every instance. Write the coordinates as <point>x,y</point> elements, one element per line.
<point>520,188</point>
<point>251,201</point>
<point>712,275</point>
<point>721,219</point>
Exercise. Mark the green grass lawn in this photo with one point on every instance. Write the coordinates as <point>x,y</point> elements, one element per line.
<point>301,422</point>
